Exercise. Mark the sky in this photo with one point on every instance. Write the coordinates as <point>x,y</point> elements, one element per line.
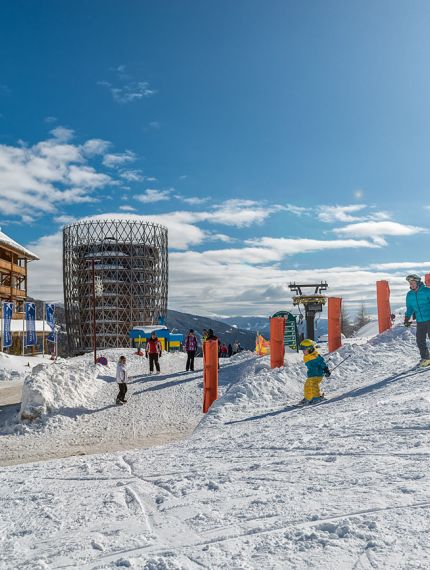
<point>278,141</point>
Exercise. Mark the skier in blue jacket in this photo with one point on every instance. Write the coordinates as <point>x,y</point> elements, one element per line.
<point>316,369</point>
<point>418,302</point>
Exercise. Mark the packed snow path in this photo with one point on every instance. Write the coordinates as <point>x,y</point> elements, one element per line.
<point>160,408</point>
<point>259,484</point>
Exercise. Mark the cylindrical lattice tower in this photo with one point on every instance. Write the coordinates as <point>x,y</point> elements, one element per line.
<point>119,266</point>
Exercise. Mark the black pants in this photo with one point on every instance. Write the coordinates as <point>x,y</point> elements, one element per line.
<point>153,359</point>
<point>122,391</point>
<point>190,360</point>
<point>423,330</point>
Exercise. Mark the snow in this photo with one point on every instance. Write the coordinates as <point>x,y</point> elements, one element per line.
<point>255,483</point>
<point>16,367</point>
<point>6,240</point>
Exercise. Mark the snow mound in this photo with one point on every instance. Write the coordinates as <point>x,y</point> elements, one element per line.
<point>16,367</point>
<point>257,386</point>
<point>51,387</point>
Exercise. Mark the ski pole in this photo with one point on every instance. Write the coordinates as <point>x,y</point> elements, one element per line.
<point>341,362</point>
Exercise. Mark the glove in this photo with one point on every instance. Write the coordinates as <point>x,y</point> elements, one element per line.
<point>407,322</point>
<point>327,372</point>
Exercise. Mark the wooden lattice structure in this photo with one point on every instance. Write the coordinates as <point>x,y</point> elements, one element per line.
<point>120,267</point>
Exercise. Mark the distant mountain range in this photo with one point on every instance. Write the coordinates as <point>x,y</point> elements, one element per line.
<point>261,324</point>
<point>228,329</point>
<point>228,333</point>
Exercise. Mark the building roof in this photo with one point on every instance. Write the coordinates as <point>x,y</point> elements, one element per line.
<point>12,244</point>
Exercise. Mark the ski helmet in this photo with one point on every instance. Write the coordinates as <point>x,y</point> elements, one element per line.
<point>413,277</point>
<point>308,345</point>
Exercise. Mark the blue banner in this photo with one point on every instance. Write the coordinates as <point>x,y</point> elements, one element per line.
<point>50,319</point>
<point>7,318</point>
<point>30,317</point>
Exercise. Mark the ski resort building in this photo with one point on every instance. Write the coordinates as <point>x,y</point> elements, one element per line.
<point>14,259</point>
<point>115,277</point>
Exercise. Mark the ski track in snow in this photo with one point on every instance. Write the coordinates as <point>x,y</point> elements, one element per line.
<point>258,484</point>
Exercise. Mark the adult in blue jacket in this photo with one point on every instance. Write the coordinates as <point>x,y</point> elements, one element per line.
<point>418,302</point>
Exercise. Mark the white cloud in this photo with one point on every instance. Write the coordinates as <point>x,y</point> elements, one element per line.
<point>127,208</point>
<point>36,179</point>
<point>128,92</point>
<point>284,246</point>
<point>132,175</point>
<point>192,200</point>
<point>62,134</point>
<point>96,146</point>
<point>114,160</point>
<point>378,230</point>
<point>330,214</point>
<point>241,213</point>
<point>64,220</point>
<point>297,210</point>
<point>152,195</point>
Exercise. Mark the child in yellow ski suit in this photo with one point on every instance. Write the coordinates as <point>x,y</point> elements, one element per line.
<point>316,369</point>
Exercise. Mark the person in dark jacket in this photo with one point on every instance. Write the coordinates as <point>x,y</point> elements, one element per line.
<point>153,351</point>
<point>190,348</point>
<point>418,303</point>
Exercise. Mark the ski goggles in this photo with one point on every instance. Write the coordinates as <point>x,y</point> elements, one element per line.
<point>415,278</point>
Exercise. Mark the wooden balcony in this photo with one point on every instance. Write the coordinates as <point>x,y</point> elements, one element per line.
<point>8,267</point>
<point>7,292</point>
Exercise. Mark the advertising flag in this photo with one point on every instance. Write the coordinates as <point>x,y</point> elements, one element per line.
<point>7,318</point>
<point>50,319</point>
<point>30,317</point>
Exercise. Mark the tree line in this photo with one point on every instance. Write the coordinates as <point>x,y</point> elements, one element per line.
<point>349,326</point>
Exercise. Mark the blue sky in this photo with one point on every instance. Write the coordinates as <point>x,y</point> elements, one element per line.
<point>278,141</point>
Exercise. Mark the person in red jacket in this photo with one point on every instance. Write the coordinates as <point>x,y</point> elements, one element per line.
<point>153,351</point>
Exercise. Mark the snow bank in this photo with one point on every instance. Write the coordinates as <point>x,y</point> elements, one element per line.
<point>258,386</point>
<point>16,367</point>
<point>53,386</point>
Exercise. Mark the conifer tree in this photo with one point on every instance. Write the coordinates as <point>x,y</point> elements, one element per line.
<point>346,326</point>
<point>362,317</point>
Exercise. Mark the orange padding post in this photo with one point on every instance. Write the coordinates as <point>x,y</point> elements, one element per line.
<point>384,309</point>
<point>427,279</point>
<point>334,323</point>
<point>277,331</point>
<point>210,373</point>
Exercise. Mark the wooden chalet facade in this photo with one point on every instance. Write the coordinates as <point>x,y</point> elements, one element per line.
<point>14,259</point>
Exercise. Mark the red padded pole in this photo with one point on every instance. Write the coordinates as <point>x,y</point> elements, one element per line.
<point>334,323</point>
<point>384,309</point>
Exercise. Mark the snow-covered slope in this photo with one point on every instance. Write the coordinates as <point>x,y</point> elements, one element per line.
<point>259,484</point>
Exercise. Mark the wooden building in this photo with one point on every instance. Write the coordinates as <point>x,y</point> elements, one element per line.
<point>14,259</point>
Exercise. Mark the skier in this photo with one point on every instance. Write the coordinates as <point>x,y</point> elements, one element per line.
<point>153,351</point>
<point>122,379</point>
<point>316,369</point>
<point>418,302</point>
<point>190,348</point>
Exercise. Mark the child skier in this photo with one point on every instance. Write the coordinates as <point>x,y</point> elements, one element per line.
<point>121,378</point>
<point>317,368</point>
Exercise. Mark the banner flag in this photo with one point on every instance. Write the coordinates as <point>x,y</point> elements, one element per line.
<point>50,319</point>
<point>30,317</point>
<point>7,318</point>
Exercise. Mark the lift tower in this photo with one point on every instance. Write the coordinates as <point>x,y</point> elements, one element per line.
<point>313,303</point>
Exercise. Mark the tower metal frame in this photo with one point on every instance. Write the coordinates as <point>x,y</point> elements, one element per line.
<point>130,261</point>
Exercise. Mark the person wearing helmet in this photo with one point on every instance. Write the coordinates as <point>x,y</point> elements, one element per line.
<point>316,369</point>
<point>418,302</point>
